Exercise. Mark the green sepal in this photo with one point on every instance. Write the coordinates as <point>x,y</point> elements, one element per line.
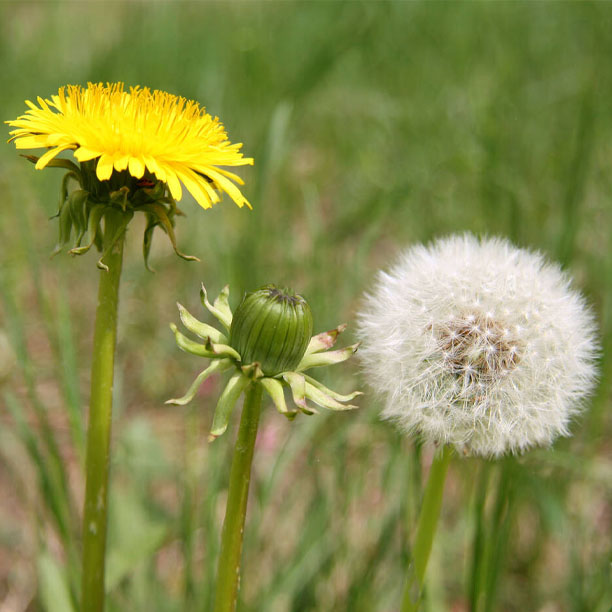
<point>95,216</point>
<point>325,340</point>
<point>147,239</point>
<point>324,359</point>
<point>202,330</point>
<point>235,386</point>
<point>215,366</point>
<point>110,242</point>
<point>330,392</point>
<point>161,214</point>
<point>65,228</point>
<point>189,346</point>
<point>120,197</point>
<point>222,350</point>
<point>277,393</point>
<point>157,192</point>
<point>323,399</point>
<point>221,303</point>
<point>297,384</point>
<point>220,309</point>
<point>58,162</point>
<point>98,238</point>
<point>64,190</point>
<point>252,371</point>
<point>77,203</point>
<point>72,215</point>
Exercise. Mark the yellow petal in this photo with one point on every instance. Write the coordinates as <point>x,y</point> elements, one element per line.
<point>231,175</point>
<point>155,168</point>
<point>212,194</point>
<point>194,188</point>
<point>136,167</point>
<point>228,187</point>
<point>42,103</point>
<point>83,154</point>
<point>121,163</point>
<point>104,168</point>
<point>174,184</point>
<point>49,155</point>
<point>30,142</point>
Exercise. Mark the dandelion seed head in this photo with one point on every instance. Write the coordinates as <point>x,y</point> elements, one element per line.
<point>497,357</point>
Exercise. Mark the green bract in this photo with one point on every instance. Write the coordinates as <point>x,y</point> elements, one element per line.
<point>268,341</point>
<point>82,210</point>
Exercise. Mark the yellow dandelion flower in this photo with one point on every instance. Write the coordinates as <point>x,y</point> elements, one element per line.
<point>149,134</point>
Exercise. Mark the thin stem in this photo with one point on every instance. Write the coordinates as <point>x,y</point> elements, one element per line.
<point>190,505</point>
<point>99,429</point>
<point>228,573</point>
<point>426,529</point>
<point>499,533</point>
<point>479,542</point>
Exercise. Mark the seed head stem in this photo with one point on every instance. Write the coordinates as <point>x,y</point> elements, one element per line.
<point>426,529</point>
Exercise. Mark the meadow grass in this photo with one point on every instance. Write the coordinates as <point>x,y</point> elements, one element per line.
<point>373,125</point>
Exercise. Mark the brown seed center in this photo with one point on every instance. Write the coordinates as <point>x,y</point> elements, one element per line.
<point>477,347</point>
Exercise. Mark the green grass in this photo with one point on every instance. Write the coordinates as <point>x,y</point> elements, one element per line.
<point>373,125</point>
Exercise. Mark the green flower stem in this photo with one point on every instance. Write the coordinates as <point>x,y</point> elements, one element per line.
<point>426,529</point>
<point>228,572</point>
<point>99,430</point>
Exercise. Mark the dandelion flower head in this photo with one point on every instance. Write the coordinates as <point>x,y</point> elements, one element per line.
<point>478,344</point>
<point>148,133</point>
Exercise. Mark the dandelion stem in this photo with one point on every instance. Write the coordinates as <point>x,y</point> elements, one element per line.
<point>426,529</point>
<point>228,573</point>
<point>479,543</point>
<point>499,533</point>
<point>99,429</point>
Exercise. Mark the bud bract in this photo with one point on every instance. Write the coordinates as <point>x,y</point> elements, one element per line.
<point>273,328</point>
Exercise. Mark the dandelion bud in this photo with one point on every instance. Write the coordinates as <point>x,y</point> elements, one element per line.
<point>273,328</point>
<point>269,345</point>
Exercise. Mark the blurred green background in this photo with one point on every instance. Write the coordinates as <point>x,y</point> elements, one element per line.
<point>373,125</point>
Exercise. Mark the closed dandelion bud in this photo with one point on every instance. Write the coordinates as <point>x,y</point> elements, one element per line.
<point>269,344</point>
<point>273,328</point>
